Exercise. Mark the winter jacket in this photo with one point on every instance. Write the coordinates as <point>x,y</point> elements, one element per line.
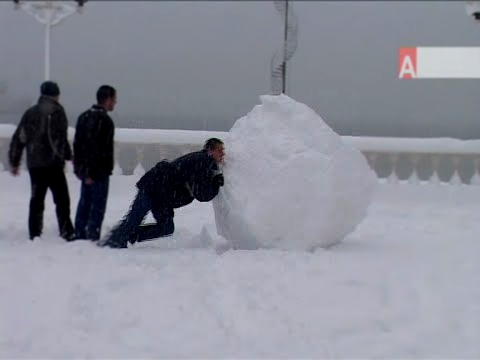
<point>177,183</point>
<point>93,145</point>
<point>43,132</point>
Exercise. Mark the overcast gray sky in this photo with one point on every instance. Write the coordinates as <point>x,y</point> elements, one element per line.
<point>203,64</point>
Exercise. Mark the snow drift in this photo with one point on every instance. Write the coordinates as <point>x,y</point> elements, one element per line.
<point>290,181</point>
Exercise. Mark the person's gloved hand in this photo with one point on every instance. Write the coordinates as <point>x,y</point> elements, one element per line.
<point>218,179</point>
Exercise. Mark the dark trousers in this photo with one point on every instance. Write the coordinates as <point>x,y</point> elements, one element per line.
<point>131,226</point>
<point>91,209</point>
<point>42,179</point>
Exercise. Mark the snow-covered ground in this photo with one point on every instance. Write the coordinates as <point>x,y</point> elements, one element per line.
<point>405,284</point>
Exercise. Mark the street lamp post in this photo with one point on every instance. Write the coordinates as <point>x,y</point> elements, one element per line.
<point>473,9</point>
<point>49,13</point>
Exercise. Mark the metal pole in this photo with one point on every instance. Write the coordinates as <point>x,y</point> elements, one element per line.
<point>48,31</point>
<point>285,39</point>
<point>48,28</point>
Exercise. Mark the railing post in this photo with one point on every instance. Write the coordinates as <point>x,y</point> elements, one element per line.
<point>456,179</point>
<point>475,180</point>
<point>393,178</point>
<point>117,170</point>
<point>414,179</point>
<point>435,179</point>
<point>139,170</point>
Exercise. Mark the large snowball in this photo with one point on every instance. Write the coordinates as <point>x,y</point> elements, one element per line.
<point>290,181</point>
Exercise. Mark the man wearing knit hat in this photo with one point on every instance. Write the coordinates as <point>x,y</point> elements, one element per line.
<point>42,131</point>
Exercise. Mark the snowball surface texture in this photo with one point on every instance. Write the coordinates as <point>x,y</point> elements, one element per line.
<point>291,183</point>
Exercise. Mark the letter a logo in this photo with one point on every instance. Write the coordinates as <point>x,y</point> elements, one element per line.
<point>407,63</point>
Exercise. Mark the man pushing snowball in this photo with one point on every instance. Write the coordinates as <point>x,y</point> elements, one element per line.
<point>169,185</point>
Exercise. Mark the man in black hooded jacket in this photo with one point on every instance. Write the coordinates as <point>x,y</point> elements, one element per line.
<point>43,132</point>
<point>167,186</point>
<point>93,147</point>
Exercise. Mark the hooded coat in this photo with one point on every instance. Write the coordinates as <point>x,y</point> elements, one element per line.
<point>43,131</point>
<point>177,183</point>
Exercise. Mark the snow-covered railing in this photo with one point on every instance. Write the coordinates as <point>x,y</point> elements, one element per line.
<point>413,160</point>
<point>436,160</point>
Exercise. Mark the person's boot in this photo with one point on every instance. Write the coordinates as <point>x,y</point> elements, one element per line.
<point>149,232</point>
<point>112,243</point>
<point>116,239</point>
<point>69,236</point>
<point>67,232</point>
<point>134,237</point>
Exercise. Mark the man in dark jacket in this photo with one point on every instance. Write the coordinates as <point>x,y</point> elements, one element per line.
<point>167,186</point>
<point>43,132</point>
<point>93,149</point>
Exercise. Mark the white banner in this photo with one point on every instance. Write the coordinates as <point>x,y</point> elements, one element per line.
<point>439,63</point>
